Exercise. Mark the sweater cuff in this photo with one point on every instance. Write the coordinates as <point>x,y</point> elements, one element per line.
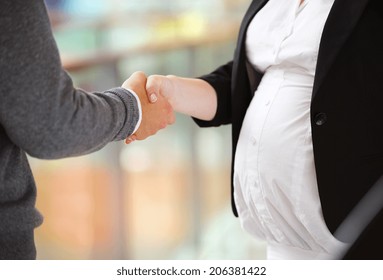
<point>139,110</point>
<point>133,112</point>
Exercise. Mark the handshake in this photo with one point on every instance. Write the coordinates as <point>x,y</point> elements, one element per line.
<point>160,96</point>
<point>157,111</point>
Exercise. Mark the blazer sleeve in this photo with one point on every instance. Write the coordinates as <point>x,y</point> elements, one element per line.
<point>221,81</point>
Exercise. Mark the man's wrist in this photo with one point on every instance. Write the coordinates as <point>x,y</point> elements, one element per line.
<point>139,110</point>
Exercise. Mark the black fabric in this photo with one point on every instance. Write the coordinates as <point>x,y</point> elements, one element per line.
<point>369,245</point>
<point>348,91</point>
<point>17,245</point>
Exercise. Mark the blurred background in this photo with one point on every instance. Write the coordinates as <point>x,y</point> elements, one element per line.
<point>167,197</point>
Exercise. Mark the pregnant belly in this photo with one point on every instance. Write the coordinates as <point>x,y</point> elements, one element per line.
<point>276,128</point>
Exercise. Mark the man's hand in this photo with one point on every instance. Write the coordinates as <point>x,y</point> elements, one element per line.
<point>155,116</point>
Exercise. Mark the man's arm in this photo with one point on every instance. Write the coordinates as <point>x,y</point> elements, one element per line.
<point>40,109</point>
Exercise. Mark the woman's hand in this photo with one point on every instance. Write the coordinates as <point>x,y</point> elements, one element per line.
<point>193,97</point>
<point>161,85</point>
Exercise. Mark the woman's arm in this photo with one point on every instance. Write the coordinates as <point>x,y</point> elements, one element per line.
<point>207,99</point>
<point>193,97</point>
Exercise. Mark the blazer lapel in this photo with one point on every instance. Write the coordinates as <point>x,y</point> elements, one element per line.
<point>343,17</point>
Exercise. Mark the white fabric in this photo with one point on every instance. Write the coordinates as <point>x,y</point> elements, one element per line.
<point>139,110</point>
<point>275,182</point>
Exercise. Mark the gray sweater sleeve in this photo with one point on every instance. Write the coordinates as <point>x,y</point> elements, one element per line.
<point>40,109</point>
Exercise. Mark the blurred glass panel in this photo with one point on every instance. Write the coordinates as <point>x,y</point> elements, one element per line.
<point>163,198</point>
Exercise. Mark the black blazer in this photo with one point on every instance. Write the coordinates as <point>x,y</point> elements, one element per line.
<point>346,107</point>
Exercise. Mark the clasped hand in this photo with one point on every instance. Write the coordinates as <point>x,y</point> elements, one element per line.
<point>156,114</point>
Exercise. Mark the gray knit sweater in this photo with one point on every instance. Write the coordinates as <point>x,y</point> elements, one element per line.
<point>43,115</point>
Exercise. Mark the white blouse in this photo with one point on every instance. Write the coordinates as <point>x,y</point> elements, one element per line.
<point>275,183</point>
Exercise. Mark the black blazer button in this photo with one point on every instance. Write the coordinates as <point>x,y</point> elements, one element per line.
<point>320,119</point>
